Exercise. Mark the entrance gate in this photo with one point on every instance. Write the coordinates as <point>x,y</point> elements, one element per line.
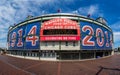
<point>69,56</point>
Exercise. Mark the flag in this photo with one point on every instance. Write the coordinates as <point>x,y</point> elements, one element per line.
<point>88,15</point>
<point>59,10</point>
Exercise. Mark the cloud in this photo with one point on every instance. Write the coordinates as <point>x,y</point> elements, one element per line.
<point>116,39</point>
<point>115,26</point>
<point>116,36</point>
<point>93,10</point>
<point>15,11</point>
<point>116,31</point>
<point>3,44</point>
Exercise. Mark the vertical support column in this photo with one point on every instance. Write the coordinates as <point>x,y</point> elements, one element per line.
<point>59,45</point>
<point>94,54</point>
<point>24,54</point>
<point>112,53</point>
<point>39,53</point>
<point>103,53</point>
<point>57,55</point>
<point>80,55</point>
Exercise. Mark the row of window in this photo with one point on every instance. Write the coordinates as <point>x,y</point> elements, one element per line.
<point>34,54</point>
<point>48,54</point>
<point>66,43</point>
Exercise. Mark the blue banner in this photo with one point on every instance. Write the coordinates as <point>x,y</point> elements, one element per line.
<point>94,37</point>
<point>25,37</point>
<point>13,39</point>
<point>31,27</point>
<point>32,43</point>
<point>32,35</point>
<point>20,37</point>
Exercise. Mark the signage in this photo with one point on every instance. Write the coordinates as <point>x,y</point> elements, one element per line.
<point>95,37</point>
<point>60,38</point>
<point>60,29</point>
<point>25,37</point>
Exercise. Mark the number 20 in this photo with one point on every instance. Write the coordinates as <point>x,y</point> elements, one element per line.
<point>100,40</point>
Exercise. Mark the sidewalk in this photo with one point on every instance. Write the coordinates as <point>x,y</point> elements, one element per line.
<point>18,66</point>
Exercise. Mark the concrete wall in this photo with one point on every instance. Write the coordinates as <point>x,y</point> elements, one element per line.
<point>71,45</point>
<point>60,45</point>
<point>49,45</point>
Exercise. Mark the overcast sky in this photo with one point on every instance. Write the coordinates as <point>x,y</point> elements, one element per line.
<point>15,11</point>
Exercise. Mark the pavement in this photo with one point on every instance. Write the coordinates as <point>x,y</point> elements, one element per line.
<point>18,66</point>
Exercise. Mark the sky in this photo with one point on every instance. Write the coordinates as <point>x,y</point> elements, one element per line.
<point>16,11</point>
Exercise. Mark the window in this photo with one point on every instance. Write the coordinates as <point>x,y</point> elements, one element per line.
<point>66,43</point>
<point>43,54</point>
<point>53,43</point>
<point>74,43</point>
<point>53,54</point>
<point>46,44</point>
<point>49,54</point>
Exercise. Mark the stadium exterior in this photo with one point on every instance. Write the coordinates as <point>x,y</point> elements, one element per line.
<point>60,36</point>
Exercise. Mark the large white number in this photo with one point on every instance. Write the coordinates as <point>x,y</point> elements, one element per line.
<point>20,43</point>
<point>31,36</point>
<point>107,42</point>
<point>99,31</point>
<point>86,41</point>
<point>13,39</point>
<point>111,40</point>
